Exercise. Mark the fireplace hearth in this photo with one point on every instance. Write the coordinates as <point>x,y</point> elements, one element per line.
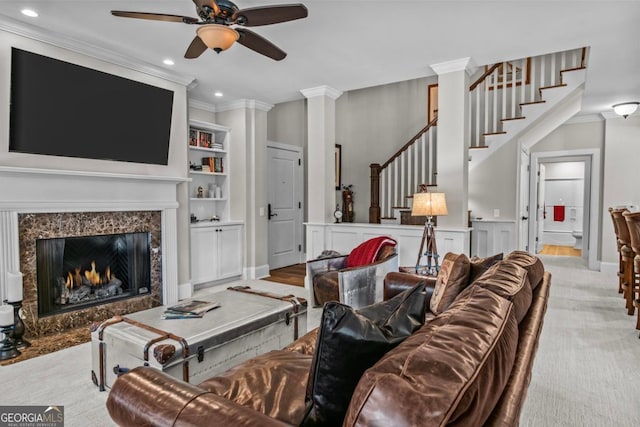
<point>85,271</point>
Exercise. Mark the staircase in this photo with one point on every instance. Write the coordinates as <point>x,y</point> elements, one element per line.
<point>509,101</point>
<point>541,93</point>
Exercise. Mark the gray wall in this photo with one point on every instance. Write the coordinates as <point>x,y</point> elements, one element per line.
<point>371,125</point>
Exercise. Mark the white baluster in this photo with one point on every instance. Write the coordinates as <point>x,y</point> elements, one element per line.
<point>423,142</point>
<point>552,71</point>
<point>505,67</point>
<point>563,61</point>
<point>523,82</point>
<point>486,110</point>
<point>543,79</point>
<point>532,85</point>
<point>514,80</point>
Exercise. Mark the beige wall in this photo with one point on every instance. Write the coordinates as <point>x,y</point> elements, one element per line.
<point>573,136</point>
<point>621,175</point>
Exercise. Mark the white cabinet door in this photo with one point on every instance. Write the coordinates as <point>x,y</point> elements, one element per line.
<point>203,253</point>
<point>229,251</point>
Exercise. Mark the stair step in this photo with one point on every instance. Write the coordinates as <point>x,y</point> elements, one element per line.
<point>573,69</point>
<point>532,102</point>
<point>551,87</point>
<point>478,146</point>
<point>388,217</point>
<point>493,133</point>
<point>513,118</point>
<point>400,207</point>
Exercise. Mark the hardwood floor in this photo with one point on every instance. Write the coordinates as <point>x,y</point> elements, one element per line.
<point>291,275</point>
<point>560,250</point>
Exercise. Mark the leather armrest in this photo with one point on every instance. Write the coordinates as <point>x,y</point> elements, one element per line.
<point>146,396</point>
<point>397,282</point>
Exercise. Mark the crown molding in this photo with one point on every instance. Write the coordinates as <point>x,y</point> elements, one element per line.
<point>245,103</point>
<point>461,64</point>
<point>201,105</point>
<point>79,46</point>
<point>321,91</point>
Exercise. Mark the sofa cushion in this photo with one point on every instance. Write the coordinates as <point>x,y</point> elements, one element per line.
<point>452,278</point>
<point>272,384</point>
<point>510,281</point>
<point>452,370</point>
<point>367,251</point>
<point>531,263</point>
<point>479,265</point>
<point>351,341</point>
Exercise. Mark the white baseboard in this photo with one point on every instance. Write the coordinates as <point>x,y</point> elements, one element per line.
<point>609,268</point>
<point>185,290</point>
<point>258,272</point>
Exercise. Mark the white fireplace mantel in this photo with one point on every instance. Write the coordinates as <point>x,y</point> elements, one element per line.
<point>33,190</point>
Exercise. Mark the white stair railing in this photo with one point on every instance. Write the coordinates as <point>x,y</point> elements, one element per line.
<point>400,176</point>
<point>499,92</point>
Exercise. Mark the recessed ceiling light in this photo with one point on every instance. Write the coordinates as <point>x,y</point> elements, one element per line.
<point>168,62</point>
<point>30,13</point>
<point>218,94</point>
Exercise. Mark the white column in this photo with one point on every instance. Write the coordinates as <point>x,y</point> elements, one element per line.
<point>321,128</point>
<point>9,248</point>
<point>452,142</point>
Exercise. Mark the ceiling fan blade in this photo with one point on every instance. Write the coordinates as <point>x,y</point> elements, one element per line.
<point>259,44</point>
<point>195,49</point>
<point>155,16</point>
<point>265,15</point>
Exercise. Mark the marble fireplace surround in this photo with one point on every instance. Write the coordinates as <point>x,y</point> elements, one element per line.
<point>54,203</point>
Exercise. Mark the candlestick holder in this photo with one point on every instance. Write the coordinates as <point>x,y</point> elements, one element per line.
<point>18,326</point>
<point>8,348</point>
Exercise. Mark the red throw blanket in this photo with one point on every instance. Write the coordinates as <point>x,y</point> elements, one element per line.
<point>558,213</point>
<point>367,251</point>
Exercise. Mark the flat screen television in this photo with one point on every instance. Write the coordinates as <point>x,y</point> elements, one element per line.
<point>63,109</point>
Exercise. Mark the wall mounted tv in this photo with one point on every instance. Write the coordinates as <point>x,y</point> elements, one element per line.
<point>63,109</point>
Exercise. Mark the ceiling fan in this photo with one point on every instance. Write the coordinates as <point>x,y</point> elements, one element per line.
<point>215,29</point>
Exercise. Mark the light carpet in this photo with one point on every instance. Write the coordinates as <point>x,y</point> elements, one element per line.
<point>586,371</point>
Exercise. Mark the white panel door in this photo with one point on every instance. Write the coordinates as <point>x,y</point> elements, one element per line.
<point>523,244</point>
<point>541,209</point>
<point>229,251</point>
<point>284,207</point>
<point>203,254</point>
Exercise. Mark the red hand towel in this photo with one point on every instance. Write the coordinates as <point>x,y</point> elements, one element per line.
<point>558,213</point>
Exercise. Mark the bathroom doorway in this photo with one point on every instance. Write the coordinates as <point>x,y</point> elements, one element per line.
<point>565,191</point>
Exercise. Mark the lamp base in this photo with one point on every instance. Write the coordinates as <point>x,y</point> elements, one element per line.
<point>431,251</point>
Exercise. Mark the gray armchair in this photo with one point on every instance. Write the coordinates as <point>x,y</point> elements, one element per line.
<point>329,279</point>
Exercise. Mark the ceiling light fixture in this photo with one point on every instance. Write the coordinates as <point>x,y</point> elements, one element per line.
<point>625,108</point>
<point>30,13</point>
<point>217,37</point>
<point>218,94</point>
<point>168,62</point>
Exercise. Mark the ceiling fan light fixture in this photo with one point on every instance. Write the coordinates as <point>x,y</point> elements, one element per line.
<point>217,37</point>
<point>625,108</point>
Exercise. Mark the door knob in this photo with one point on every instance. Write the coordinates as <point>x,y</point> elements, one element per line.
<point>524,218</point>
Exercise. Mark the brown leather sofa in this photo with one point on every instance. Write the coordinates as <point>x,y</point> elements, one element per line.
<point>468,365</point>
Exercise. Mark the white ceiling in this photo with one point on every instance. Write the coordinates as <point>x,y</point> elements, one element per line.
<point>355,44</point>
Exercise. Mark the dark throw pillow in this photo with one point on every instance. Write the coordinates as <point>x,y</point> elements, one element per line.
<point>351,341</point>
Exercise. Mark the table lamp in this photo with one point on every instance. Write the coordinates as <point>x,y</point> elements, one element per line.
<point>429,205</point>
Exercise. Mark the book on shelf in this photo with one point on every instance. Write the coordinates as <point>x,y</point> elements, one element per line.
<point>193,137</point>
<point>191,308</point>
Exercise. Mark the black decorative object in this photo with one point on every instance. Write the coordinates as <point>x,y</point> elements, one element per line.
<point>18,326</point>
<point>8,348</point>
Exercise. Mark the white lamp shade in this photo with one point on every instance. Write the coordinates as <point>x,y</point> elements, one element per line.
<point>429,204</point>
<point>217,37</point>
<point>625,109</point>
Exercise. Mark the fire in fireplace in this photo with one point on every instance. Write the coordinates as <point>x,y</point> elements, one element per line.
<point>77,272</point>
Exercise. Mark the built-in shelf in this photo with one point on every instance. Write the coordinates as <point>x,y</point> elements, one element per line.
<point>207,150</point>
<point>208,199</point>
<point>208,173</point>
